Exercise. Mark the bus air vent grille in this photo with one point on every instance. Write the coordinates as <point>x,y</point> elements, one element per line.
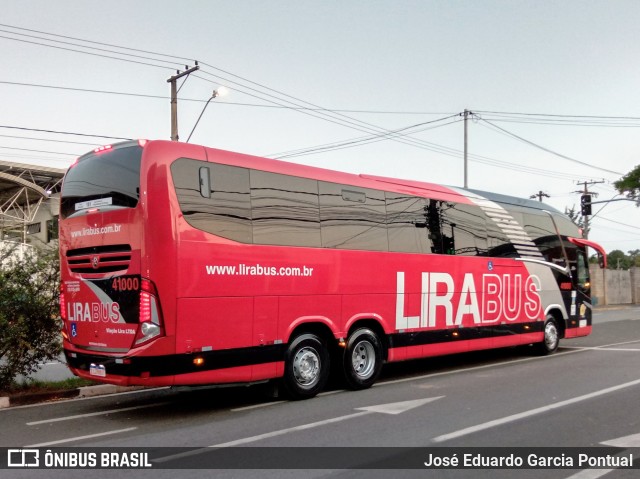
<point>99,259</point>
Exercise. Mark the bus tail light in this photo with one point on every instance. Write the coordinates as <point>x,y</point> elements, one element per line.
<point>150,326</point>
<point>63,303</point>
<point>63,313</point>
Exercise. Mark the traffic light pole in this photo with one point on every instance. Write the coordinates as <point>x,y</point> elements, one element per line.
<point>585,234</point>
<point>585,202</point>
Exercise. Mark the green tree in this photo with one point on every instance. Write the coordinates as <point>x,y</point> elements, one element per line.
<point>629,185</point>
<point>634,255</point>
<point>616,259</point>
<point>29,313</point>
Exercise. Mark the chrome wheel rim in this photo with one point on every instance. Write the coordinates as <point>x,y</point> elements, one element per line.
<point>551,335</point>
<point>363,359</point>
<point>306,367</point>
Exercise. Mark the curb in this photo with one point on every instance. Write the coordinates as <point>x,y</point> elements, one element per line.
<point>104,389</point>
<point>50,396</point>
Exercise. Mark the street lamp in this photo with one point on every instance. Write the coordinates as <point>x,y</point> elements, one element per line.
<point>220,91</point>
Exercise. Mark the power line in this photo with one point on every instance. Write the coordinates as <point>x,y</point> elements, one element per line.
<point>182,59</point>
<point>33,138</point>
<point>172,62</point>
<point>620,223</point>
<point>22,128</point>
<point>38,151</point>
<point>552,115</point>
<point>320,113</point>
<point>585,123</point>
<point>85,52</point>
<point>400,132</point>
<point>284,100</point>
<point>200,100</point>
<point>535,145</point>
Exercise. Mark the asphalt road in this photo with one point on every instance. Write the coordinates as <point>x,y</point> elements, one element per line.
<point>584,396</point>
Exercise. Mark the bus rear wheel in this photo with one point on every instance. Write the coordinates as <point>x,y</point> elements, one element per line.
<point>362,359</point>
<point>551,338</point>
<point>306,366</point>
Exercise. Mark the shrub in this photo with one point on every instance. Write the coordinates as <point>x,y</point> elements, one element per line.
<point>29,313</point>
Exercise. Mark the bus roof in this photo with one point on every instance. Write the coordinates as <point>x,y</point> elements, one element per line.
<point>413,187</point>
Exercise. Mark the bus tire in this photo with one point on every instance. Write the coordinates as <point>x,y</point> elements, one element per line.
<point>551,338</point>
<point>362,359</point>
<point>306,367</point>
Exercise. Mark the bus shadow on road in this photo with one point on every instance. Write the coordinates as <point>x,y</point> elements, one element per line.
<point>199,401</point>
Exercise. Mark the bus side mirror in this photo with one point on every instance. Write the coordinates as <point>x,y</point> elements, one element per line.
<point>602,261</point>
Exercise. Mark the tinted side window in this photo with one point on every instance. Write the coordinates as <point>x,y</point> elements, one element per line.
<point>540,228</point>
<point>226,211</point>
<point>285,210</point>
<point>352,218</point>
<point>466,228</point>
<point>498,242</point>
<point>566,227</point>
<point>407,223</point>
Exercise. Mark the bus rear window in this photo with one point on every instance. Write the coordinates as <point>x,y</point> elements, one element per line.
<point>106,179</point>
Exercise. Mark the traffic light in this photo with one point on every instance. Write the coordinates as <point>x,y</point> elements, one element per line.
<point>585,202</point>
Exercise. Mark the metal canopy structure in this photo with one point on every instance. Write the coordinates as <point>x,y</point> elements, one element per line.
<point>23,189</point>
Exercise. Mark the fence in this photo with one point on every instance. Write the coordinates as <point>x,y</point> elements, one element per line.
<point>615,286</point>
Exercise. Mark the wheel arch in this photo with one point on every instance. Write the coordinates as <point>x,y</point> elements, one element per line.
<point>559,316</point>
<point>319,326</point>
<point>374,323</point>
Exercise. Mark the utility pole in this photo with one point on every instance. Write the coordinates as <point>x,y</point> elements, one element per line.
<point>466,168</point>
<point>174,98</point>
<point>585,201</point>
<point>540,194</point>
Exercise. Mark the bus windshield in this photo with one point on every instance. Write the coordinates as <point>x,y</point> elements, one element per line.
<point>106,178</point>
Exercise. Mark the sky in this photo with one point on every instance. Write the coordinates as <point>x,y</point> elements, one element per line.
<point>362,86</point>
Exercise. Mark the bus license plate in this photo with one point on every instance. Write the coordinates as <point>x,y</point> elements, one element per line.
<point>98,370</point>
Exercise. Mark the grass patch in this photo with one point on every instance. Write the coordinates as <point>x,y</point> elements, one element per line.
<point>32,386</point>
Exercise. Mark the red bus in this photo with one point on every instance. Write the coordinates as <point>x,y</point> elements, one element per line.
<point>186,265</point>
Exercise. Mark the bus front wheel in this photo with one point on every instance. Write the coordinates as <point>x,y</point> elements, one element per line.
<point>362,359</point>
<point>551,338</point>
<point>306,366</point>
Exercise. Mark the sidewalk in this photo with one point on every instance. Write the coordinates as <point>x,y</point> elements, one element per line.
<point>23,399</point>
<point>613,307</point>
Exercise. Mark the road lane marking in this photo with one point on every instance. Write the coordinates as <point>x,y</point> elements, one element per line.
<point>392,408</point>
<point>626,442</point>
<point>531,412</point>
<point>475,368</point>
<point>259,437</point>
<point>573,350</point>
<point>99,413</point>
<point>600,348</point>
<point>257,406</point>
<point>81,438</point>
<point>280,432</point>
<point>590,474</point>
